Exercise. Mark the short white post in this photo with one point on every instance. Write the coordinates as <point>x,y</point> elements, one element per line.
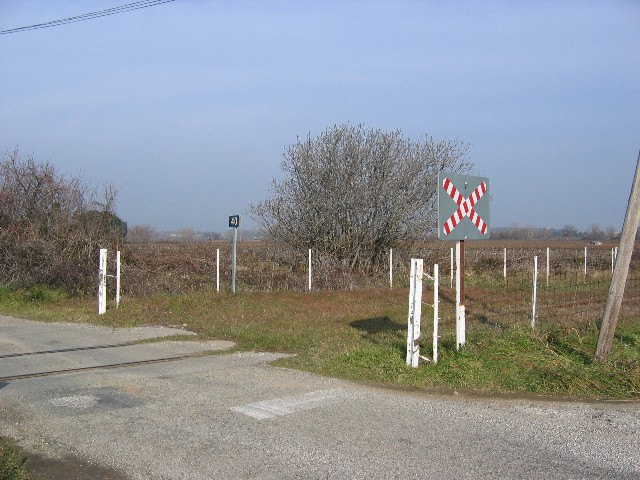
<point>117,278</point>
<point>585,264</point>
<point>612,260</point>
<point>451,275</point>
<point>102,282</point>
<point>217,270</point>
<point>309,269</point>
<point>504,265</point>
<point>535,291</point>
<point>436,307</point>
<point>415,312</point>
<point>391,268</point>
<point>547,266</point>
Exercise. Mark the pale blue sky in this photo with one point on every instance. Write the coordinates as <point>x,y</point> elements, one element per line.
<point>187,106</point>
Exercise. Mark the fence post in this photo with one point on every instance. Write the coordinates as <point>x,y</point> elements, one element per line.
<point>415,312</point>
<point>117,278</point>
<point>102,282</point>
<point>547,266</point>
<point>585,264</point>
<point>504,269</point>
<point>309,269</point>
<point>217,270</point>
<point>436,307</point>
<point>535,291</point>
<point>391,268</point>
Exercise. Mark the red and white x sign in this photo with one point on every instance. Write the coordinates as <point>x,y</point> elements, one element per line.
<point>465,207</point>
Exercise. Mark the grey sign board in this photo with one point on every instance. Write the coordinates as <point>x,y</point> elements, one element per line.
<point>463,207</point>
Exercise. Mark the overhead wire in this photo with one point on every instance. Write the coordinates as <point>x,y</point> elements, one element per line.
<point>90,16</point>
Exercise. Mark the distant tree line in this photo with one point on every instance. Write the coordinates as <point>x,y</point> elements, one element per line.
<point>568,232</point>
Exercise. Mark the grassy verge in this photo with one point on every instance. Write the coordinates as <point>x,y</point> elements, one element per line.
<point>12,462</point>
<point>362,335</point>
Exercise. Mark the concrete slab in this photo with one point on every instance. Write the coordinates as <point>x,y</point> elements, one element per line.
<point>37,348</point>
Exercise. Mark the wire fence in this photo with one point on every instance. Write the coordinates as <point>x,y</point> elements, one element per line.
<point>572,283</point>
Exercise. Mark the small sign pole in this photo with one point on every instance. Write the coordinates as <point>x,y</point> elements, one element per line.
<point>234,222</point>
<point>233,261</point>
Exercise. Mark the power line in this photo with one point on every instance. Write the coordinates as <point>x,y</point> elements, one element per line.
<point>90,16</point>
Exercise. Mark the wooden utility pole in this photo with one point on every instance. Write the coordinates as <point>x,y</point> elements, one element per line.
<point>619,279</point>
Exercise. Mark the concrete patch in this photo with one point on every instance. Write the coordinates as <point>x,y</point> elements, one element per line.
<point>279,407</point>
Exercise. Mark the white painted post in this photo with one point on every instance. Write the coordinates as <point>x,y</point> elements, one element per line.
<point>309,269</point>
<point>415,312</point>
<point>504,269</point>
<point>102,282</point>
<point>451,286</point>
<point>436,307</point>
<point>614,257</point>
<point>460,308</point>
<point>117,278</point>
<point>535,291</point>
<point>585,264</point>
<point>217,270</point>
<point>391,268</point>
<point>547,266</point>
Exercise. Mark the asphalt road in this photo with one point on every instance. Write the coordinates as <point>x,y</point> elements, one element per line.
<point>233,416</point>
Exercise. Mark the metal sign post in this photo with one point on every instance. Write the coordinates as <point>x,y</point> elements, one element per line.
<point>463,214</point>
<point>234,222</point>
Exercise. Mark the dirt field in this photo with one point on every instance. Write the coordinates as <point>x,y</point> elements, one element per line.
<point>564,295</point>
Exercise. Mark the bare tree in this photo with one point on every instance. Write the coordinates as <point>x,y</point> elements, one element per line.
<point>141,234</point>
<point>51,227</point>
<point>353,192</point>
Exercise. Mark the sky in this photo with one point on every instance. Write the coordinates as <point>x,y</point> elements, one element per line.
<point>187,107</point>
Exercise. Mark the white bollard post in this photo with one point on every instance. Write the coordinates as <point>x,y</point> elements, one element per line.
<point>102,282</point>
<point>217,270</point>
<point>535,291</point>
<point>117,278</point>
<point>436,307</point>
<point>415,312</point>
<point>309,269</point>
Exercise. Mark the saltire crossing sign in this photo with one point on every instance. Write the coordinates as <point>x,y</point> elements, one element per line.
<point>463,207</point>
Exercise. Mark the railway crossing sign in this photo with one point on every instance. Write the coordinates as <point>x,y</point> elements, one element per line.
<point>463,207</point>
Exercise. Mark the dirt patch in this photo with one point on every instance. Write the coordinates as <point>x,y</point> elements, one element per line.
<point>69,468</point>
